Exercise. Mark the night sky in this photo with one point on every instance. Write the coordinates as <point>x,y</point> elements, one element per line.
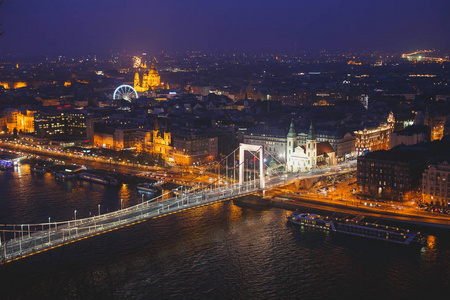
<point>78,27</point>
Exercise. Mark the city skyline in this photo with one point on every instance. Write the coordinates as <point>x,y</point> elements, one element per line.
<point>82,27</point>
<point>224,150</point>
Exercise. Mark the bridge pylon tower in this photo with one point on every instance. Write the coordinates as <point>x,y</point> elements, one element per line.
<point>259,148</point>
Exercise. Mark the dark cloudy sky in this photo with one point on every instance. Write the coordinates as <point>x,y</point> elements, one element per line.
<point>71,27</point>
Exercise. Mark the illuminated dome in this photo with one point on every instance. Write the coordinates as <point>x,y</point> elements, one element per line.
<point>153,69</point>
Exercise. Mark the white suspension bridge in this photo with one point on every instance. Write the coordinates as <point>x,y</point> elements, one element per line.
<point>21,240</point>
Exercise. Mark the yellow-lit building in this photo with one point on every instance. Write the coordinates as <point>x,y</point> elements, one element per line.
<point>25,122</point>
<point>104,138</point>
<point>13,85</point>
<point>161,141</point>
<point>157,141</point>
<point>436,123</point>
<point>371,139</point>
<point>143,140</point>
<point>16,119</point>
<point>147,80</point>
<point>115,138</point>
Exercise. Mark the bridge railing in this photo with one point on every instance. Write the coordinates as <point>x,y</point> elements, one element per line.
<point>37,241</point>
<point>55,225</point>
<point>18,240</point>
<point>26,239</point>
<point>77,222</point>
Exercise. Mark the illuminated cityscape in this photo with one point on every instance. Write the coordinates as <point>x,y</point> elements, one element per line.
<point>206,151</point>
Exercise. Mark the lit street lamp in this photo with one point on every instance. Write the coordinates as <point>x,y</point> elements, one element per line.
<point>99,209</point>
<point>75,213</point>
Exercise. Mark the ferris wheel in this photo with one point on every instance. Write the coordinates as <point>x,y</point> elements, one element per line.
<point>125,92</point>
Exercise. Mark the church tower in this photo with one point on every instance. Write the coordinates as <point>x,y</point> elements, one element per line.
<point>137,83</point>
<point>140,78</point>
<point>155,130</point>
<point>291,143</point>
<point>311,147</point>
<point>167,134</point>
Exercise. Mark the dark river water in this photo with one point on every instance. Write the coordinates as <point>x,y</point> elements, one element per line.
<point>222,251</point>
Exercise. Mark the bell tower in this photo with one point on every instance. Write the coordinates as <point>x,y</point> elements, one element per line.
<point>137,83</point>
<point>311,147</point>
<point>291,143</point>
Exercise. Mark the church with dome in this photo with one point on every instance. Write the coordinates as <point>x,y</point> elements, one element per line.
<point>148,79</point>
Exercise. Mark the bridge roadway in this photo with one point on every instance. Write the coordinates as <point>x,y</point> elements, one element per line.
<point>29,239</point>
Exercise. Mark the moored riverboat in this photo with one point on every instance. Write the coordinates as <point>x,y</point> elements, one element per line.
<point>98,178</point>
<point>358,228</point>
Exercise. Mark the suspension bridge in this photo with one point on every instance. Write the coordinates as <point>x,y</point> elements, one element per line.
<point>235,178</point>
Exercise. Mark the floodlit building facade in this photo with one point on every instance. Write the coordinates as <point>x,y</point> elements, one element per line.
<point>301,158</point>
<point>14,119</point>
<point>147,80</point>
<point>377,138</point>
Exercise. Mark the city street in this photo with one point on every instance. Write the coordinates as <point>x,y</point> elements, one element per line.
<point>342,198</point>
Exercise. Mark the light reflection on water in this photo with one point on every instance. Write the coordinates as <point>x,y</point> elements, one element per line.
<point>32,197</point>
<point>222,251</point>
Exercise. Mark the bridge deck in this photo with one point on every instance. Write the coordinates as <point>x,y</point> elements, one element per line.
<point>29,239</point>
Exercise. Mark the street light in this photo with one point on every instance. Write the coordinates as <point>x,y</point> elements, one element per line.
<point>99,209</point>
<point>121,203</point>
<point>75,213</point>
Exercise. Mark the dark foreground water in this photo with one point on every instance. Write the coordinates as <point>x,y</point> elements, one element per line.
<point>222,251</point>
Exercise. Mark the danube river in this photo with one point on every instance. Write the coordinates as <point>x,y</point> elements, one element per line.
<point>222,251</point>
